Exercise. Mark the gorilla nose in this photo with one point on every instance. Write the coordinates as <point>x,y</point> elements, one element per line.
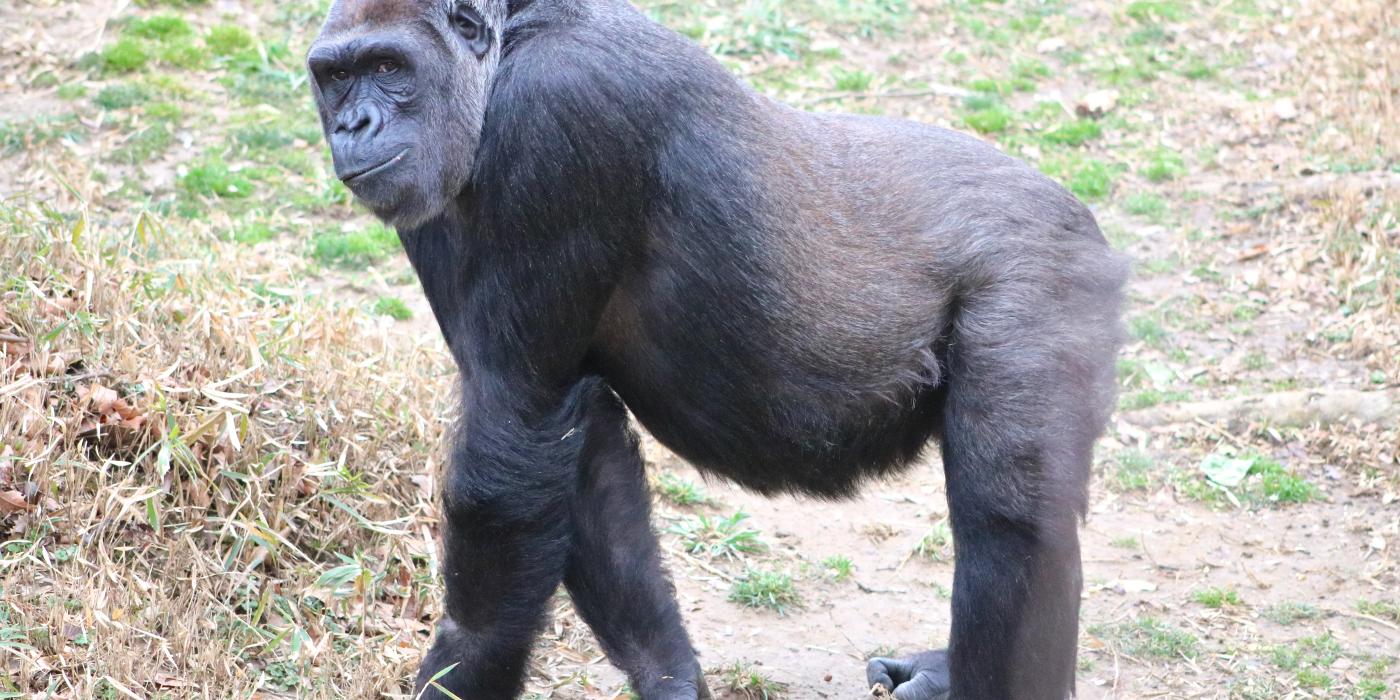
<point>359,120</point>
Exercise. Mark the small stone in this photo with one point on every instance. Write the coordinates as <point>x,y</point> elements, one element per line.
<point>1097,103</point>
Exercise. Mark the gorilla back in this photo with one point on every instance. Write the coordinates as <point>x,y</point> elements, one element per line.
<point>596,209</point>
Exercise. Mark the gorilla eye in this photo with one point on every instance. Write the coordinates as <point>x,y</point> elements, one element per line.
<point>386,67</point>
<point>339,74</point>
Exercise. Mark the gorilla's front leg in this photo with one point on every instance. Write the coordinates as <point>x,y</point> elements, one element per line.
<point>506,501</point>
<point>614,573</point>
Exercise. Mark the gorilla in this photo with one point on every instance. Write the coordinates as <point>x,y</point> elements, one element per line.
<point>604,220</point>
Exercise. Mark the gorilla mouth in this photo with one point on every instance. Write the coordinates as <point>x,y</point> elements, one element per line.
<point>375,168</point>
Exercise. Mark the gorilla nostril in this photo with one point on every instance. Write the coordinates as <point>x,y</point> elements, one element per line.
<point>356,121</point>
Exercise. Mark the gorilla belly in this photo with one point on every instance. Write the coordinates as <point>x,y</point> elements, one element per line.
<point>723,398</point>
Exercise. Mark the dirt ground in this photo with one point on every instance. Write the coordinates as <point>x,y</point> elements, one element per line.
<point>221,414</point>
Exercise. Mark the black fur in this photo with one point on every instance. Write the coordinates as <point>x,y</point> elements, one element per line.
<point>598,211</point>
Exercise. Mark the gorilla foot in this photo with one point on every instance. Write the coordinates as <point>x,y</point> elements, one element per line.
<point>923,676</point>
<point>690,686</point>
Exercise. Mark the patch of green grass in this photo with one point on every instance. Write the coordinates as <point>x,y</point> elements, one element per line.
<point>355,249</point>
<point>1132,66</point>
<point>1145,35</point>
<point>211,176</point>
<point>72,91</point>
<point>1118,235</point>
<point>682,492</point>
<point>121,96</point>
<point>1196,68</point>
<point>1149,637</point>
<point>1279,485</point>
<point>1075,133</point>
<point>1132,372</point>
<point>1264,483</point>
<point>1370,689</point>
<point>1313,678</point>
<point>1217,597</point>
<point>393,307</point>
<point>991,120</point>
<point>1384,609</point>
<point>159,28</point>
<point>1288,613</point>
<point>143,145</point>
<point>263,137</point>
<point>183,54</point>
<point>26,133</point>
<point>867,18</point>
<point>1147,205</point>
<point>282,676</point>
<point>228,39</point>
<point>126,55</point>
<point>1147,398</point>
<point>1246,311</point>
<point>982,29</point>
<point>1090,180</point>
<point>1162,165</point>
<point>1133,471</point>
<point>1308,658</point>
<point>1155,10</point>
<point>718,537</point>
<point>765,589</point>
<point>937,543</point>
<point>748,682</point>
<point>751,29</point>
<point>1030,69</point>
<point>253,232</point>
<point>994,86</point>
<point>1256,361</point>
<point>1087,178</point>
<point>853,80</point>
<point>838,567</point>
<point>1125,543</point>
<point>1148,329</point>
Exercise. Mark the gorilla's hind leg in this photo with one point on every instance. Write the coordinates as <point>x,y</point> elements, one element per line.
<point>1029,392</point>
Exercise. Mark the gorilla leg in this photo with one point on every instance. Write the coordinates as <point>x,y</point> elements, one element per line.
<point>614,574</point>
<point>506,499</point>
<point>1028,393</point>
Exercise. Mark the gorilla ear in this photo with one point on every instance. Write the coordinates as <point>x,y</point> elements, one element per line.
<point>471,27</point>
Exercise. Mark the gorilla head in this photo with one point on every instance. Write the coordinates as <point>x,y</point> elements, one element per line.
<point>401,87</point>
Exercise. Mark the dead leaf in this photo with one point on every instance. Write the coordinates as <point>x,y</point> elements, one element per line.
<point>99,397</point>
<point>166,680</point>
<point>1252,252</point>
<point>12,501</point>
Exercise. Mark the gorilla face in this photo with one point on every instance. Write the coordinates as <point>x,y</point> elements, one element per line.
<point>401,86</point>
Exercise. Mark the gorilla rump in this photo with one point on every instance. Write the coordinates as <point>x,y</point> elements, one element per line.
<point>603,219</point>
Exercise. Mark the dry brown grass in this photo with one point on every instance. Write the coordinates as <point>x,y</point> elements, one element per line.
<point>212,477</point>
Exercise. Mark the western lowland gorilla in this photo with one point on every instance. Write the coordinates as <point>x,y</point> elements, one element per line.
<point>604,219</point>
